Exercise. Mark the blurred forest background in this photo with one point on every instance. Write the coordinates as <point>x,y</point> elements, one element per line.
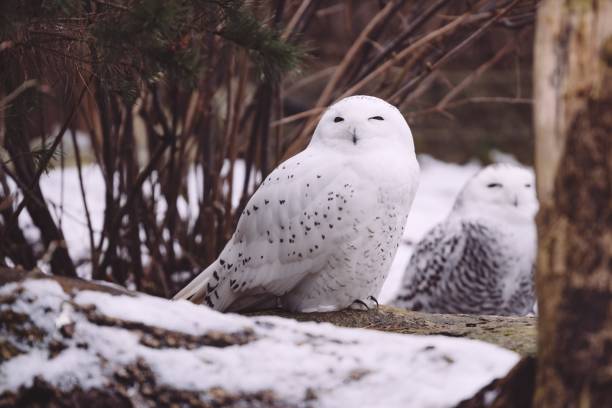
<point>176,100</point>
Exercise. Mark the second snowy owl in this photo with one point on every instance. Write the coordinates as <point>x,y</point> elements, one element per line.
<point>480,260</point>
<point>321,231</point>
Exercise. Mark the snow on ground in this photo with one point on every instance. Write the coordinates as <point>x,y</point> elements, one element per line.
<point>439,185</point>
<point>341,367</point>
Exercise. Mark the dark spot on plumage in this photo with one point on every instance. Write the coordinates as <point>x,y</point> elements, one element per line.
<point>255,208</point>
<point>268,232</point>
<point>261,257</point>
<point>301,222</point>
<point>222,262</point>
<point>215,275</point>
<point>232,281</point>
<point>308,228</point>
<point>239,254</point>
<point>322,236</point>
<point>339,208</point>
<point>266,202</point>
<point>229,266</point>
<point>331,226</point>
<point>316,247</point>
<point>216,294</point>
<point>281,240</point>
<point>339,218</point>
<point>248,212</point>
<point>318,176</point>
<point>317,223</point>
<point>208,301</point>
<point>281,202</point>
<point>324,215</point>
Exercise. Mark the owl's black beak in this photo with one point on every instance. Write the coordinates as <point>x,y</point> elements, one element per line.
<point>355,138</point>
<point>515,202</point>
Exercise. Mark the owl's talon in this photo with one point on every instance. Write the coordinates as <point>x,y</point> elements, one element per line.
<point>360,302</point>
<point>375,300</point>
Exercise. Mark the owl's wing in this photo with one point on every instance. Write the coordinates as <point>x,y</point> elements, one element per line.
<point>434,257</point>
<point>294,221</point>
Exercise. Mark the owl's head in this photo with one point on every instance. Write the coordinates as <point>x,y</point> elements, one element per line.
<point>500,190</point>
<point>363,122</point>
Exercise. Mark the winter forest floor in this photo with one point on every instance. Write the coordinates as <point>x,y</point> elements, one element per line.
<point>72,340</point>
<point>439,185</point>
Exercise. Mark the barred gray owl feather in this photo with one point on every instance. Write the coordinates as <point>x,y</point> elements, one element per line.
<point>322,229</point>
<point>480,260</point>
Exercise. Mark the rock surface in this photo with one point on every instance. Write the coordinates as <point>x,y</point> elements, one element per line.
<point>514,333</point>
<point>67,342</point>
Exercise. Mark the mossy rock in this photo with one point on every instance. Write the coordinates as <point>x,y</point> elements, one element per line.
<point>514,333</point>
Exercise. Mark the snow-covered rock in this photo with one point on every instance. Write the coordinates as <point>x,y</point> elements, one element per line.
<point>88,344</point>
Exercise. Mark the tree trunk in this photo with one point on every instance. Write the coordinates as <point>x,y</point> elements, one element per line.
<point>573,126</point>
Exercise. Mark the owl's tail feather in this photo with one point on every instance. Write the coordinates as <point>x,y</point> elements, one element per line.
<point>207,288</point>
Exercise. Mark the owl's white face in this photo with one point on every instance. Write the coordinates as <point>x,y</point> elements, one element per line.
<point>506,190</point>
<point>360,121</point>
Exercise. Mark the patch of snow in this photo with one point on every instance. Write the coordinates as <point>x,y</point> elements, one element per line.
<point>72,367</point>
<point>180,315</point>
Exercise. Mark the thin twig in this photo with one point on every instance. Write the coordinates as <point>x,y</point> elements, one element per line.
<point>297,116</point>
<point>295,19</point>
<point>79,165</point>
<point>30,83</point>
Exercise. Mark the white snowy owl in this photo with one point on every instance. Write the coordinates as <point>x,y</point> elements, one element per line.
<point>322,229</point>
<point>480,260</point>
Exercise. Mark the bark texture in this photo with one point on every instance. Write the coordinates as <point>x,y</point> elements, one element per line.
<point>573,125</point>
